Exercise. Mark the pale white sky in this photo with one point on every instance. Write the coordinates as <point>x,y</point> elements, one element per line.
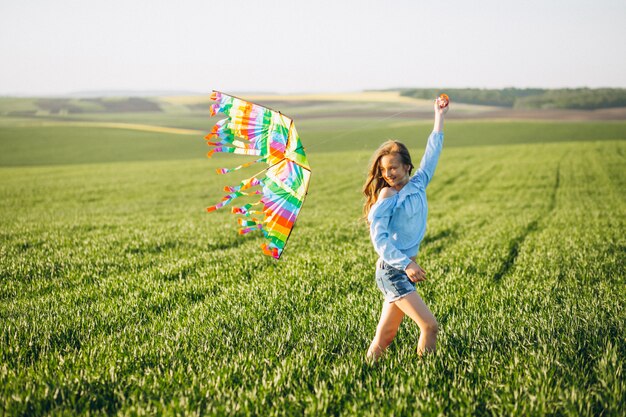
<point>62,46</point>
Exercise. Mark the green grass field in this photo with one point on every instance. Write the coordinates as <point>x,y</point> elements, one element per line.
<point>120,295</point>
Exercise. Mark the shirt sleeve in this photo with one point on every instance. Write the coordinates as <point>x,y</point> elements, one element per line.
<point>429,161</point>
<point>379,217</point>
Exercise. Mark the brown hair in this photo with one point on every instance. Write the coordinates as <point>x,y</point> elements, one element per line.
<point>375,181</point>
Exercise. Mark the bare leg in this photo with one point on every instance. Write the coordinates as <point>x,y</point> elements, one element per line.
<point>413,306</point>
<point>390,319</point>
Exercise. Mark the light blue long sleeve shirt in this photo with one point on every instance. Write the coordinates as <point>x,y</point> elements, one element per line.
<point>398,223</point>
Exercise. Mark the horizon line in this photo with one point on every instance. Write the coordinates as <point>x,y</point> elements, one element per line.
<point>185,92</point>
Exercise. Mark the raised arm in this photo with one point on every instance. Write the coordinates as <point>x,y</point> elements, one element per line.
<point>439,113</point>
<point>429,161</point>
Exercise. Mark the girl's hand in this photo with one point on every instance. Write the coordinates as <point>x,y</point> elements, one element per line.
<point>438,110</point>
<point>415,272</point>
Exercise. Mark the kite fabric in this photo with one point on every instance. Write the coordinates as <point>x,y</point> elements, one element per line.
<point>251,129</point>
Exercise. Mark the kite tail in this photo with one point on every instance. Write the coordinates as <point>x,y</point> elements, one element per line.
<point>231,149</point>
<point>217,107</point>
<point>247,164</point>
<point>245,210</point>
<point>236,191</point>
<point>248,226</point>
<point>228,143</point>
<point>270,250</point>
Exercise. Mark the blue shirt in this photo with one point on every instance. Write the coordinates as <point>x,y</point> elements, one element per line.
<point>398,223</point>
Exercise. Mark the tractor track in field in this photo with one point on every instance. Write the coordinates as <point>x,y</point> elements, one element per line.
<point>487,176</point>
<point>434,243</point>
<point>515,244</point>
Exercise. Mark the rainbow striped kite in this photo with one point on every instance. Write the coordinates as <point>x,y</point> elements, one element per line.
<point>251,129</point>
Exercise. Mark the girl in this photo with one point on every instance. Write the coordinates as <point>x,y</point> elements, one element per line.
<point>396,210</point>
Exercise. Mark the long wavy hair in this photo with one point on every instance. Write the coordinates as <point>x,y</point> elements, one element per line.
<point>375,181</point>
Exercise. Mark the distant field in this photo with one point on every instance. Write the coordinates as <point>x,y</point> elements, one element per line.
<point>119,294</point>
<point>73,143</point>
<point>187,111</point>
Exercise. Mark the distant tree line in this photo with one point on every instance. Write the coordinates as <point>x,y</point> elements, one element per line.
<point>530,98</point>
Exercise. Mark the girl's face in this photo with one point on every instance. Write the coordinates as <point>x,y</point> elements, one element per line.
<point>394,171</point>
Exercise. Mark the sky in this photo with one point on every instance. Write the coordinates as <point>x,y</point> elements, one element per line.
<point>57,47</point>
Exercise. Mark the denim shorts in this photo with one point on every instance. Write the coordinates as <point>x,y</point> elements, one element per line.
<point>393,283</point>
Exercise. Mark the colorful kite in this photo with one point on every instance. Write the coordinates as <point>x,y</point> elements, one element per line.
<point>251,129</point>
